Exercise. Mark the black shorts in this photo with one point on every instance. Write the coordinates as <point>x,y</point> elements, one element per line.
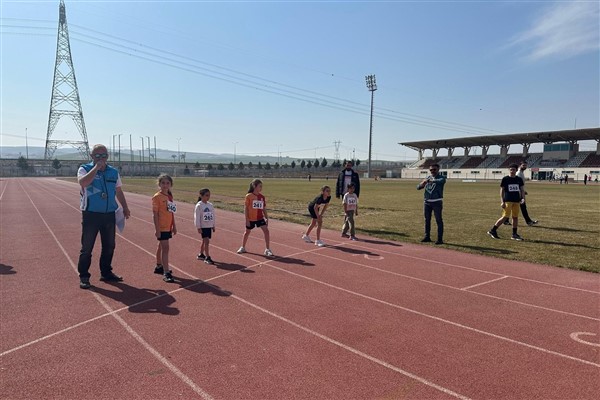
<point>312,212</point>
<point>206,233</point>
<point>165,236</point>
<point>259,223</point>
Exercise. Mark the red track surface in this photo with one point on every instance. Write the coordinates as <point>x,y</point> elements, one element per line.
<point>354,320</point>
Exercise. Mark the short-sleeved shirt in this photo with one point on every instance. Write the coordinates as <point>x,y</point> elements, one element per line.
<point>255,205</point>
<point>351,201</point>
<point>165,207</point>
<point>319,200</point>
<point>512,188</point>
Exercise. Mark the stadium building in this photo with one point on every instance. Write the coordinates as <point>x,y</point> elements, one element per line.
<point>560,156</point>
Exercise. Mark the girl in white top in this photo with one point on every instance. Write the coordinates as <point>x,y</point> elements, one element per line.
<point>204,218</point>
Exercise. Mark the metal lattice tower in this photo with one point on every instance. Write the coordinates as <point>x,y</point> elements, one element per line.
<point>336,155</point>
<point>65,95</point>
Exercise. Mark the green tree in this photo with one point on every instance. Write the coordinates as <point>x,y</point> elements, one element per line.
<point>250,165</point>
<point>316,163</point>
<point>240,165</point>
<point>220,167</point>
<point>302,164</point>
<point>267,166</point>
<point>56,165</point>
<point>209,167</point>
<point>324,162</point>
<point>309,164</point>
<point>293,164</point>
<point>23,164</point>
<point>197,165</point>
<point>231,166</point>
<point>259,165</point>
<point>357,162</point>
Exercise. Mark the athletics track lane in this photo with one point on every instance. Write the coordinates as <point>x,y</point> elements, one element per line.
<point>372,326</point>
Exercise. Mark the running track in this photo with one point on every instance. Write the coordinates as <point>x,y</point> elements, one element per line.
<point>353,320</point>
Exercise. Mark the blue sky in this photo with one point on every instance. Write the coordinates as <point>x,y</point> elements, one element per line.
<point>268,77</point>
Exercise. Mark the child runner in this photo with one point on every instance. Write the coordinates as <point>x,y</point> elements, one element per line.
<point>316,208</point>
<point>350,203</point>
<point>204,218</point>
<point>164,210</point>
<point>255,211</point>
<point>512,194</point>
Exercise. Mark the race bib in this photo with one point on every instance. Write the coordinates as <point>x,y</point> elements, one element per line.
<point>171,207</point>
<point>513,188</point>
<point>208,216</point>
<point>258,204</point>
<point>351,201</point>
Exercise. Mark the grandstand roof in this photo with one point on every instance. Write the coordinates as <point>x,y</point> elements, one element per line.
<point>571,135</point>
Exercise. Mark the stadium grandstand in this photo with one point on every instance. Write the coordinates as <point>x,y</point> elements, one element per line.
<point>560,157</point>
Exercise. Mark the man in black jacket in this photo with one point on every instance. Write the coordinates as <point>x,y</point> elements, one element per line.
<point>345,177</point>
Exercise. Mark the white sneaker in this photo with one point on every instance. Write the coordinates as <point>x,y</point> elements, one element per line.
<point>306,238</point>
<point>268,253</point>
<point>319,243</point>
<point>241,250</point>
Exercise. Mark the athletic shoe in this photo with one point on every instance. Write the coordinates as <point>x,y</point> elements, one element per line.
<point>507,222</point>
<point>111,277</point>
<point>84,283</point>
<point>306,238</point>
<point>426,239</point>
<point>532,222</point>
<point>209,260</point>
<point>345,235</point>
<point>268,253</point>
<point>320,243</point>
<point>201,257</point>
<point>439,242</point>
<point>159,269</point>
<point>168,277</point>
<point>516,237</point>
<point>353,238</point>
<point>493,234</point>
<point>241,250</point>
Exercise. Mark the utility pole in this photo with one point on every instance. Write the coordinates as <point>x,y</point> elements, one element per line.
<point>26,144</point>
<point>130,148</point>
<point>120,134</point>
<point>141,137</point>
<point>372,86</point>
<point>178,150</point>
<point>234,150</point>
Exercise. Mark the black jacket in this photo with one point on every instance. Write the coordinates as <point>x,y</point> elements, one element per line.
<point>339,186</point>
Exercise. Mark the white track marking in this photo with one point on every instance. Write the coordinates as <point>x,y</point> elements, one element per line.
<point>575,337</point>
<point>176,371</point>
<point>4,190</point>
<point>484,283</point>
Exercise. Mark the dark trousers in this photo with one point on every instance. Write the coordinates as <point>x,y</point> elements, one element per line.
<point>92,223</point>
<point>525,213</point>
<point>435,207</point>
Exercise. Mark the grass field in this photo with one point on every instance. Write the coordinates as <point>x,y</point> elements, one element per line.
<point>568,234</point>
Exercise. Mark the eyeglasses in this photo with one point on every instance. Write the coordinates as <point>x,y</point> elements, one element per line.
<point>100,155</point>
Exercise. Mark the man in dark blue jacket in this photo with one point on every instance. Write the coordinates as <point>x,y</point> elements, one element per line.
<point>100,188</point>
<point>434,195</point>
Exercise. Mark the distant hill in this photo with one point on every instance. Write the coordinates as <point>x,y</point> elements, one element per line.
<point>15,152</point>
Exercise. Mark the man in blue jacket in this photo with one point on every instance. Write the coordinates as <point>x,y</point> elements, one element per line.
<point>100,187</point>
<point>434,194</point>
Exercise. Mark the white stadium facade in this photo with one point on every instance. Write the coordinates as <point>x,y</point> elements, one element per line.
<point>560,156</point>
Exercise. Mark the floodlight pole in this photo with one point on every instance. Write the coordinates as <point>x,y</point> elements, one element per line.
<point>372,86</point>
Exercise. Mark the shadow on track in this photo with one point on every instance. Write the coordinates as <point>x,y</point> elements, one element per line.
<point>7,269</point>
<point>139,300</point>
<point>481,248</point>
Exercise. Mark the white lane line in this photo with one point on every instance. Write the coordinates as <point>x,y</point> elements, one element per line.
<point>433,317</point>
<point>484,283</point>
<point>176,371</point>
<point>353,350</point>
<point>3,190</point>
<point>322,254</point>
<point>257,307</point>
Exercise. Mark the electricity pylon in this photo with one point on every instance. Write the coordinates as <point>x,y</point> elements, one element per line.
<point>65,95</point>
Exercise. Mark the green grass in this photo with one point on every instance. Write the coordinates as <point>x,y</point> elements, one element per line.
<point>568,235</point>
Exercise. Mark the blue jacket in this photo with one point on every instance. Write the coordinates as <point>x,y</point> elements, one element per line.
<point>100,195</point>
